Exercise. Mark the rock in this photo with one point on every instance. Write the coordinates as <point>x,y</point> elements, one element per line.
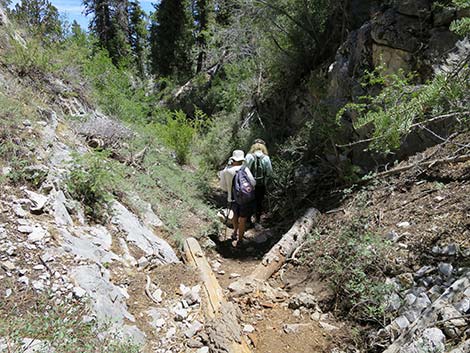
<point>192,295</point>
<point>143,262</point>
<point>38,201</point>
<point>399,325</point>
<point>450,250</point>
<point>37,235</point>
<point>328,327</point>
<point>194,343</point>
<point>61,215</point>
<point>422,302</point>
<point>141,236</point>
<point>424,271</point>
<point>195,327</point>
<point>38,285</point>
<point>25,229</point>
<point>443,16</point>
<point>410,299</point>
<point>78,292</point>
<point>19,211</point>
<point>434,338</point>
<point>34,345</point>
<point>171,332</point>
<point>7,265</point>
<point>23,280</point>
<point>203,350</point>
<point>303,300</point>
<point>403,225</point>
<point>463,306</point>
<point>159,323</point>
<point>412,315</point>
<point>157,295</point>
<point>8,292</point>
<point>445,269</point>
<point>406,280</point>
<point>248,329</point>
<point>417,8</point>
<point>293,328</point>
<point>392,236</point>
<point>393,302</point>
<point>180,314</point>
<point>234,275</point>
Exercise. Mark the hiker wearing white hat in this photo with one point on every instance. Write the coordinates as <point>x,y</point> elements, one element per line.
<point>239,184</point>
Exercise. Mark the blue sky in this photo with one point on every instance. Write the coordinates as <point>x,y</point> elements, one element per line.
<point>73,9</point>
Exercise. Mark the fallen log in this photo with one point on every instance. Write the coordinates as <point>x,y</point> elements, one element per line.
<point>290,241</point>
<point>223,329</point>
<point>278,255</point>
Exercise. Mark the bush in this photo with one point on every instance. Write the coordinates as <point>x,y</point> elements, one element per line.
<point>178,134</point>
<point>353,265</point>
<point>60,326</point>
<point>91,180</point>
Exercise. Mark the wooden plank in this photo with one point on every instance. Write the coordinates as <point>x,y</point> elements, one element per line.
<point>214,292</point>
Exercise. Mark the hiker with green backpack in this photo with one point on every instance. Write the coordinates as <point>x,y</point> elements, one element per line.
<point>259,163</point>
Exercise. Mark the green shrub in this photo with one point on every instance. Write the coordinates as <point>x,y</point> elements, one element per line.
<point>61,326</point>
<point>91,180</point>
<point>353,264</point>
<point>178,134</point>
<point>30,57</point>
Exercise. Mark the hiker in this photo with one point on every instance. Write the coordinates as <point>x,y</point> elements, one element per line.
<point>259,163</point>
<point>239,183</point>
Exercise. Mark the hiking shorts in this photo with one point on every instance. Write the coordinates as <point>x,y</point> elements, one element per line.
<point>244,211</point>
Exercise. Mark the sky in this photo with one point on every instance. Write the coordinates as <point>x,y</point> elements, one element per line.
<point>73,9</point>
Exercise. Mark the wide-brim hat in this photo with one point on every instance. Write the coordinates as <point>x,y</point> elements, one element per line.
<point>238,156</point>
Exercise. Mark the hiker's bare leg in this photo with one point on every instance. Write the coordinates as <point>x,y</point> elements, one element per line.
<point>235,223</point>
<point>241,227</point>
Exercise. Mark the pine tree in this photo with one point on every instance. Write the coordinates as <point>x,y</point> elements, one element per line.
<point>138,36</point>
<point>171,39</point>
<point>204,13</point>
<point>110,24</point>
<point>40,17</point>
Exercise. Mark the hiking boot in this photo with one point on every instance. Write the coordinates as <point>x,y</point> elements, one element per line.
<point>234,236</point>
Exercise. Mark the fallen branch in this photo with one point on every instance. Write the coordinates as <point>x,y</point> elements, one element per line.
<point>147,291</point>
<point>449,160</point>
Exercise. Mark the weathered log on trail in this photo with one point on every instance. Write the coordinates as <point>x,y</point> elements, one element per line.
<point>278,255</point>
<point>222,325</point>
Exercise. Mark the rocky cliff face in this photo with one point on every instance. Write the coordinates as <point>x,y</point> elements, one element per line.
<point>408,35</point>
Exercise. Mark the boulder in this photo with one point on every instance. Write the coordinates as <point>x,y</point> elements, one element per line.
<point>416,8</point>
<point>391,58</point>
<point>397,31</point>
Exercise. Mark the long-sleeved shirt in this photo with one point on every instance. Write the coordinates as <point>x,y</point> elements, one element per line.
<point>226,179</point>
<point>264,164</point>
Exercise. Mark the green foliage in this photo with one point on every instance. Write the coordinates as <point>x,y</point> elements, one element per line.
<point>461,26</point>
<point>113,89</point>
<point>91,180</point>
<point>40,17</point>
<point>30,58</point>
<point>178,134</point>
<point>171,40</point>
<point>61,326</point>
<point>353,265</point>
<point>400,107</point>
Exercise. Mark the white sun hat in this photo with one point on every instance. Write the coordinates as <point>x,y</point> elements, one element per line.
<point>238,155</point>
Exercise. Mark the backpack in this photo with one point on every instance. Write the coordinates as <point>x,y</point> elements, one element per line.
<point>259,172</point>
<point>242,190</point>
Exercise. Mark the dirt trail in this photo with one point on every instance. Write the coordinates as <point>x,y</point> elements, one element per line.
<point>271,326</point>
